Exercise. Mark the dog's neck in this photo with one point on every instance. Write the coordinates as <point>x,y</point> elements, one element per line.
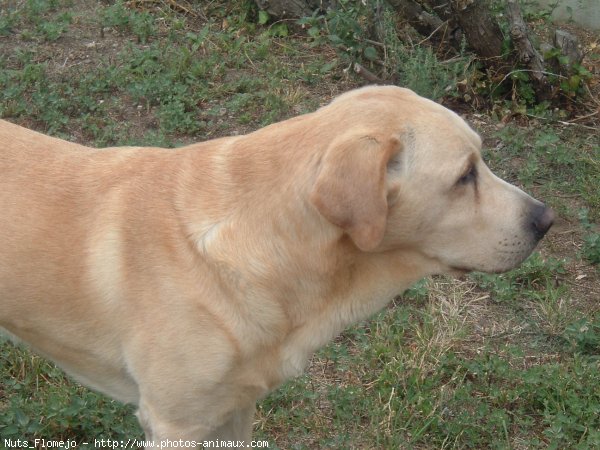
<point>270,257</point>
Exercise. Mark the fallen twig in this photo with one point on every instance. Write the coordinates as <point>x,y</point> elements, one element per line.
<point>367,74</point>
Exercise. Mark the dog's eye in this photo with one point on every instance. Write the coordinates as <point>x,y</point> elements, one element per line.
<point>469,177</point>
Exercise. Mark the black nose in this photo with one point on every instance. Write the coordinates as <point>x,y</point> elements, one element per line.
<point>542,220</point>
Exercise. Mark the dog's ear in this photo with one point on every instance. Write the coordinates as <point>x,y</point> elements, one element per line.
<point>350,189</point>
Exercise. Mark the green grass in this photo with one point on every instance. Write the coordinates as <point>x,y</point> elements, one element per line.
<point>38,401</point>
<point>508,361</point>
<point>185,80</point>
<point>38,20</point>
<point>410,379</point>
<point>563,160</point>
<point>401,381</point>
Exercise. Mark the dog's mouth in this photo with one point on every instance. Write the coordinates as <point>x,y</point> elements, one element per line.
<point>505,260</point>
<point>458,271</point>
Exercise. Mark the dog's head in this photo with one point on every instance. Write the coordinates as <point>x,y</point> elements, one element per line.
<point>408,174</point>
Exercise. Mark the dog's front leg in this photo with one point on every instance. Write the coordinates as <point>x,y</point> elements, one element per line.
<point>237,429</point>
<point>167,433</point>
<point>170,431</point>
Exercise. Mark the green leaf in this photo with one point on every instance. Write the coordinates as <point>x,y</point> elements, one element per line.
<point>583,72</point>
<point>370,53</point>
<point>263,17</point>
<point>335,39</point>
<point>327,67</point>
<point>574,82</point>
<point>280,30</point>
<point>22,419</point>
<point>313,32</point>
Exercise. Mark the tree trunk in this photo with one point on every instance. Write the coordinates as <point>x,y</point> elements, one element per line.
<point>422,21</point>
<point>441,8</point>
<point>527,54</point>
<point>481,30</point>
<point>454,19</point>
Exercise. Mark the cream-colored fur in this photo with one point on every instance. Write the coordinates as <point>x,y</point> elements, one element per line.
<point>193,281</point>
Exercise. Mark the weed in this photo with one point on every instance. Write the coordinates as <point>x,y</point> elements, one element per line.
<point>534,277</point>
<point>8,21</point>
<point>534,292</point>
<point>119,17</point>
<point>38,21</point>
<point>591,248</point>
<point>125,20</point>
<point>419,290</point>
<point>572,83</point>
<point>568,401</point>
<point>115,16</point>
<point>416,68</point>
<point>344,28</point>
<point>51,31</point>
<point>591,240</point>
<point>584,336</point>
<point>60,409</point>
<point>419,70</point>
<point>548,162</point>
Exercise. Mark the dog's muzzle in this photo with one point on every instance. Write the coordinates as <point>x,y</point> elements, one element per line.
<point>541,219</point>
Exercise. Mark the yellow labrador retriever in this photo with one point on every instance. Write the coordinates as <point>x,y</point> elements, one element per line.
<point>193,281</point>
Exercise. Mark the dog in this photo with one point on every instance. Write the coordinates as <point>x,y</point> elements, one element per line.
<point>193,281</point>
